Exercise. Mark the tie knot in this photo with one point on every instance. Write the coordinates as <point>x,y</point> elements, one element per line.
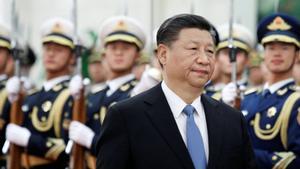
<point>189,110</point>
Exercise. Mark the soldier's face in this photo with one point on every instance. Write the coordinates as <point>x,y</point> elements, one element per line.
<point>188,61</point>
<point>97,72</point>
<point>225,66</point>
<point>121,56</point>
<point>57,58</point>
<point>279,57</point>
<point>4,55</point>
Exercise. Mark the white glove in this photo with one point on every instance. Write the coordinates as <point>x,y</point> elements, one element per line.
<point>17,135</point>
<point>27,84</point>
<point>75,86</point>
<point>13,88</point>
<point>229,93</point>
<point>81,134</point>
<point>150,78</point>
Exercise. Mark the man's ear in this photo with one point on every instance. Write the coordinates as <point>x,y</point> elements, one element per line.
<point>162,51</point>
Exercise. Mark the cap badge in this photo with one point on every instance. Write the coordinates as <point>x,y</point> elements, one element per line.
<point>278,24</point>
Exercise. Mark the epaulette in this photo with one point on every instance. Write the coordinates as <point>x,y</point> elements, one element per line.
<point>251,90</point>
<point>295,88</point>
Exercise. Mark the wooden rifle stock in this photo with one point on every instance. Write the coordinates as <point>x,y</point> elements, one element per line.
<point>77,160</point>
<point>16,117</point>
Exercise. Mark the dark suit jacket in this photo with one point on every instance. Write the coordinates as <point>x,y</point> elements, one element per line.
<point>141,133</point>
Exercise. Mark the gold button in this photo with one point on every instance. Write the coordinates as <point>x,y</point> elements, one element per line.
<point>44,118</point>
<point>96,116</point>
<point>268,126</point>
<point>48,144</point>
<point>274,157</point>
<point>252,122</point>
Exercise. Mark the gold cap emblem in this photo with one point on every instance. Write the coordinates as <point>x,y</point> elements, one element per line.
<point>121,26</point>
<point>57,28</point>
<point>278,24</point>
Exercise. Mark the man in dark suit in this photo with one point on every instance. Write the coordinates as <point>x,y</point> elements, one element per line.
<point>174,126</point>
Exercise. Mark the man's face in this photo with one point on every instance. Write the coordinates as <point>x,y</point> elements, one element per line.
<point>225,66</point>
<point>279,57</point>
<point>121,56</point>
<point>4,56</point>
<point>57,57</point>
<point>97,72</point>
<point>188,61</point>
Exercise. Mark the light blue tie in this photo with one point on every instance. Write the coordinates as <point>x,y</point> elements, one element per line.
<point>194,139</point>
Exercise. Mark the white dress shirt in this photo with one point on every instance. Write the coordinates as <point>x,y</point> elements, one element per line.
<point>177,105</point>
<point>118,82</point>
<point>274,87</point>
<point>51,83</point>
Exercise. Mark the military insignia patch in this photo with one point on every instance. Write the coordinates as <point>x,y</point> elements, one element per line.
<point>271,112</point>
<point>46,106</point>
<point>57,87</point>
<point>282,91</point>
<point>279,24</point>
<point>57,28</point>
<point>121,25</point>
<point>124,87</point>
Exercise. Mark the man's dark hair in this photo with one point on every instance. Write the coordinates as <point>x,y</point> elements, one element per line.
<point>168,32</point>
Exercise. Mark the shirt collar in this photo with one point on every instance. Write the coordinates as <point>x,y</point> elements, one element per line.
<point>118,82</point>
<point>97,87</point>
<point>177,104</point>
<point>274,87</point>
<point>51,83</point>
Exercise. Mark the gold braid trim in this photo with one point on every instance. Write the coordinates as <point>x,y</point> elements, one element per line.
<point>56,149</point>
<point>281,123</point>
<point>58,108</point>
<point>287,108</point>
<point>54,115</point>
<point>102,113</point>
<point>286,159</point>
<point>3,96</point>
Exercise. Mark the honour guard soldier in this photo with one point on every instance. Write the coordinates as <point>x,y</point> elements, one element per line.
<point>47,112</point>
<point>243,40</point>
<point>5,56</point>
<point>123,39</point>
<point>273,112</point>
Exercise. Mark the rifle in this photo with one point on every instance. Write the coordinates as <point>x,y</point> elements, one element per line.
<point>232,57</point>
<point>77,159</point>
<point>16,117</point>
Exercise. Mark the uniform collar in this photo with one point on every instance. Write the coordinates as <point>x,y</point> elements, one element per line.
<point>176,103</point>
<point>51,83</point>
<point>98,87</point>
<point>273,88</point>
<point>118,82</point>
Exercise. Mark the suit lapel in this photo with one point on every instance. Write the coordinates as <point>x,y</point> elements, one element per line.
<point>162,118</point>
<point>214,124</point>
